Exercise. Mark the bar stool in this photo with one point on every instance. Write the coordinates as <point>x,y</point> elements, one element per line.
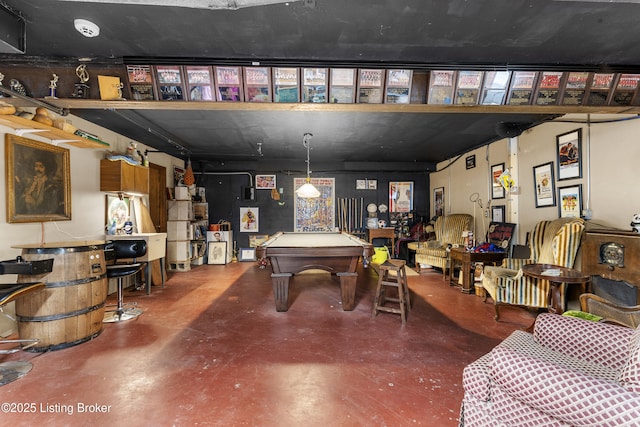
<point>397,280</point>
<point>11,371</point>
<point>130,249</point>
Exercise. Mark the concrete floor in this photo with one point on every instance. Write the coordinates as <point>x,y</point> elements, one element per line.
<point>211,350</point>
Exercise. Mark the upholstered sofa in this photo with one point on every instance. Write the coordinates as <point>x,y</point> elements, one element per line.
<point>551,242</point>
<point>448,232</point>
<point>569,372</point>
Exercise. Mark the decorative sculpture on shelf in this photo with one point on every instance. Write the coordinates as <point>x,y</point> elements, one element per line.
<point>53,84</point>
<point>635,223</point>
<point>17,87</point>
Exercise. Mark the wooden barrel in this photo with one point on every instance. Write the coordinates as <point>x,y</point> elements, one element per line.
<point>70,309</point>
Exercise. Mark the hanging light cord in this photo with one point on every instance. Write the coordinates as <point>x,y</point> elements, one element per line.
<point>306,141</point>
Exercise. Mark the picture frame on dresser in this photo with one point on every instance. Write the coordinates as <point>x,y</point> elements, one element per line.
<point>40,186</point>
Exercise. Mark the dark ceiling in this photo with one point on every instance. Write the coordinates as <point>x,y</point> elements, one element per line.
<point>417,34</point>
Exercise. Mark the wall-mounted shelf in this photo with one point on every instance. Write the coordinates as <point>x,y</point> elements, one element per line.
<point>57,136</point>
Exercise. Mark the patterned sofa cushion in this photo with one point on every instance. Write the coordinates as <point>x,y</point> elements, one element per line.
<point>630,374</point>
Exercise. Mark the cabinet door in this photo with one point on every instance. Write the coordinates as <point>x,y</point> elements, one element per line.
<point>141,179</point>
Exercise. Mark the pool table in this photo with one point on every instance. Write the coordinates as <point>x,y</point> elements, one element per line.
<point>291,253</point>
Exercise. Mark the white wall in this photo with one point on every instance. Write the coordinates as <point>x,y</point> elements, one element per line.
<point>610,171</point>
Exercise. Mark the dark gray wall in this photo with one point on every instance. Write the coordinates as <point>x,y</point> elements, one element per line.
<point>225,198</point>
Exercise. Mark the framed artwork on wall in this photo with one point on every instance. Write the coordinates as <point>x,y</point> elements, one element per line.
<point>249,220</point>
<point>497,213</point>
<point>316,214</point>
<point>39,187</point>
<point>569,152</point>
<point>544,185</point>
<point>400,196</point>
<point>438,201</point>
<point>265,182</point>
<point>570,201</point>
<point>497,190</point>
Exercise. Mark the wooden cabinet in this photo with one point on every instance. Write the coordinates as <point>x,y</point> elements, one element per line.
<point>122,177</point>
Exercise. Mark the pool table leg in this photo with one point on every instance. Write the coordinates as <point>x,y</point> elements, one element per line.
<point>348,290</point>
<point>280,283</point>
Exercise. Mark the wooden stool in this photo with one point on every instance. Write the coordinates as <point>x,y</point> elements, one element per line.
<point>398,281</point>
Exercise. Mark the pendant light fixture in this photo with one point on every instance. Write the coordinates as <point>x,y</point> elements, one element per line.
<point>307,190</point>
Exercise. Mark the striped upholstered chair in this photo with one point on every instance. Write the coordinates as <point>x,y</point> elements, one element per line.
<point>448,230</point>
<point>552,242</point>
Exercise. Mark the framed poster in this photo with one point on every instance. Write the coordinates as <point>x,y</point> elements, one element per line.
<point>570,201</point>
<point>39,186</point>
<point>470,161</point>
<point>265,182</point>
<point>497,190</point>
<point>497,213</point>
<point>316,214</point>
<point>170,82</point>
<point>569,154</point>
<point>286,84</point>
<point>199,83</point>
<point>370,86</point>
<point>494,88</point>
<point>228,84</point>
<point>400,196</point>
<point>625,92</point>
<point>545,189</point>
<point>468,87</point>
<point>257,84</point>
<point>117,213</point>
<point>216,252</point>
<point>549,87</point>
<point>600,89</point>
<point>249,220</point>
<point>141,82</point>
<point>342,89</point>
<point>178,176</point>
<point>522,85</point>
<point>438,201</point>
<point>314,85</point>
<point>398,89</point>
<point>575,88</point>
<point>441,85</point>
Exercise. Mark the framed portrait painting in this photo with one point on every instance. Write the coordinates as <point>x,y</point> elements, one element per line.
<point>569,152</point>
<point>217,252</point>
<point>545,189</point>
<point>38,181</point>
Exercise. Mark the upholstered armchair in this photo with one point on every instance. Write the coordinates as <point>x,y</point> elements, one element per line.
<point>551,242</point>
<point>569,372</point>
<point>448,230</point>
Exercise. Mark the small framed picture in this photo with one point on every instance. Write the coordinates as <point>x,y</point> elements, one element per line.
<point>497,190</point>
<point>545,190</point>
<point>247,254</point>
<point>117,214</point>
<point>401,196</point>
<point>569,152</point>
<point>216,252</point>
<point>438,201</point>
<point>570,201</point>
<point>470,161</point>
<point>265,182</point>
<point>497,213</point>
<point>249,220</point>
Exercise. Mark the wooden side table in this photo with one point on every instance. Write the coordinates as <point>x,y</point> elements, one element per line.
<point>556,275</point>
<point>466,258</point>
<point>386,232</point>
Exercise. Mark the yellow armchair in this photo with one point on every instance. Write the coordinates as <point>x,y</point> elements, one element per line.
<point>448,230</point>
<point>552,242</point>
